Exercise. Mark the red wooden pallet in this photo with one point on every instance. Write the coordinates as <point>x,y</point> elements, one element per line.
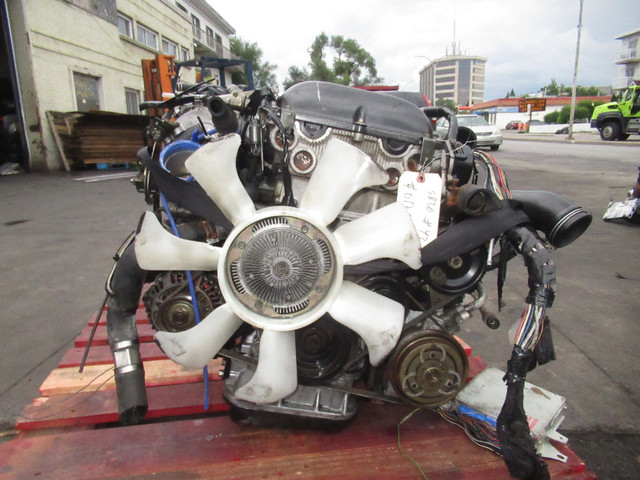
<point>58,438</point>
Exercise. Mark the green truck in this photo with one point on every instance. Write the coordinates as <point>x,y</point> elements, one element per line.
<point>619,119</point>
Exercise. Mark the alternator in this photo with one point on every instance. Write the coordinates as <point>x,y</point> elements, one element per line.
<point>169,304</point>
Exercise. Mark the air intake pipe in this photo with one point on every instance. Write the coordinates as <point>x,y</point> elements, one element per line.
<point>558,218</point>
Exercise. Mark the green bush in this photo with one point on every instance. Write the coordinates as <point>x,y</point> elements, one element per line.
<point>584,109</point>
<point>551,117</point>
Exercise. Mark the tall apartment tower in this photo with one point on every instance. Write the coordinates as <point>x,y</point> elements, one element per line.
<point>628,60</point>
<point>456,77</point>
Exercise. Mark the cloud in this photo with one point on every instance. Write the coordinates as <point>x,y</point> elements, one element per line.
<point>526,43</point>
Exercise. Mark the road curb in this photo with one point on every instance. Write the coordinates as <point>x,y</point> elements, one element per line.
<point>526,138</point>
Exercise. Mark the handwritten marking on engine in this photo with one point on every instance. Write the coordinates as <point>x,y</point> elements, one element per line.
<point>420,195</point>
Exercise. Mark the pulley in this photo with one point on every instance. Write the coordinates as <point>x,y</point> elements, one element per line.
<point>458,274</point>
<point>323,349</point>
<point>428,368</point>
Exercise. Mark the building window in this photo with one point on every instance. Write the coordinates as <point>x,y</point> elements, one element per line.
<point>446,71</point>
<point>181,7</point>
<point>210,40</point>
<point>124,26</point>
<point>87,89</point>
<point>195,23</point>
<point>169,48</point>
<point>445,79</point>
<point>132,98</point>
<point>148,37</point>
<point>184,54</point>
<point>219,45</point>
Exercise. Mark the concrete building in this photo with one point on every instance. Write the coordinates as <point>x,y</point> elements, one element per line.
<point>628,60</point>
<point>454,77</point>
<point>75,55</point>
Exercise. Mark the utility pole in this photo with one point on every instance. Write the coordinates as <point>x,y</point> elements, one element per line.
<point>575,77</point>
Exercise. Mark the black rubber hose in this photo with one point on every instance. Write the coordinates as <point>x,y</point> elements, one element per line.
<point>470,233</point>
<point>438,112</point>
<point>222,116</point>
<point>125,289</point>
<point>188,195</point>
<point>558,218</point>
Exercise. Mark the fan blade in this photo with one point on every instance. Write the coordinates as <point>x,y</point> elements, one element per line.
<point>276,376</point>
<point>377,319</point>
<point>341,172</point>
<point>384,233</point>
<point>214,167</point>
<point>194,348</point>
<point>158,249</point>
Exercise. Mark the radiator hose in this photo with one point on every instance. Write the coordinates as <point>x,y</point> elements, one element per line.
<point>125,288</point>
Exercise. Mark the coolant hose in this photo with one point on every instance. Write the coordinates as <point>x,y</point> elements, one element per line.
<point>125,289</point>
<point>560,219</point>
<point>222,116</point>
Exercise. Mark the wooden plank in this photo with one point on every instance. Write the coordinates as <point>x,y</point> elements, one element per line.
<point>476,365</point>
<point>65,381</point>
<point>101,355</point>
<point>145,334</point>
<point>58,140</point>
<point>215,447</point>
<point>102,407</point>
<point>465,345</point>
<point>141,317</point>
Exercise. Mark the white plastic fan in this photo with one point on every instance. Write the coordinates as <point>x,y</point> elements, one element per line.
<point>281,268</point>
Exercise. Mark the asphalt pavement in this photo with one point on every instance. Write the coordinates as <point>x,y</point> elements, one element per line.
<point>58,233</point>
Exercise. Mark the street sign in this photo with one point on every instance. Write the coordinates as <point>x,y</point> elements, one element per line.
<point>537,104</point>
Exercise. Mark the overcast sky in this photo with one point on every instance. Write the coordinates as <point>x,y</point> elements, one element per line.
<point>526,42</point>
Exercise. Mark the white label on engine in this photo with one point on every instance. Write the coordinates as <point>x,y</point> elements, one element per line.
<point>420,194</point>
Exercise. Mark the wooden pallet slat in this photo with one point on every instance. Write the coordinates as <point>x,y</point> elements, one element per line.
<point>101,407</point>
<point>141,317</point>
<point>66,381</point>
<point>145,334</point>
<point>101,355</point>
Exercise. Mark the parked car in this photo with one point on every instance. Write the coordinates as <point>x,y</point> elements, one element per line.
<point>513,125</point>
<point>488,135</point>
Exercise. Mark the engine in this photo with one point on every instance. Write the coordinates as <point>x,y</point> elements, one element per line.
<point>327,246</point>
<point>284,267</point>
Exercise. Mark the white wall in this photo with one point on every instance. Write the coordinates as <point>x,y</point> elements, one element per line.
<point>65,39</point>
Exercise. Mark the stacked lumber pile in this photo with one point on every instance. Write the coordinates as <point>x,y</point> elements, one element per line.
<point>86,138</point>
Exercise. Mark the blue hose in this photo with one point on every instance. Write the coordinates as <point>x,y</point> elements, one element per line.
<point>192,291</point>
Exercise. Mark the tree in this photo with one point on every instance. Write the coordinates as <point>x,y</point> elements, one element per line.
<point>584,109</point>
<point>587,91</point>
<point>263,71</point>
<point>447,102</point>
<point>554,90</point>
<point>351,64</point>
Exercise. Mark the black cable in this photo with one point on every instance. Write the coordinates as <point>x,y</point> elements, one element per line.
<point>92,333</point>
